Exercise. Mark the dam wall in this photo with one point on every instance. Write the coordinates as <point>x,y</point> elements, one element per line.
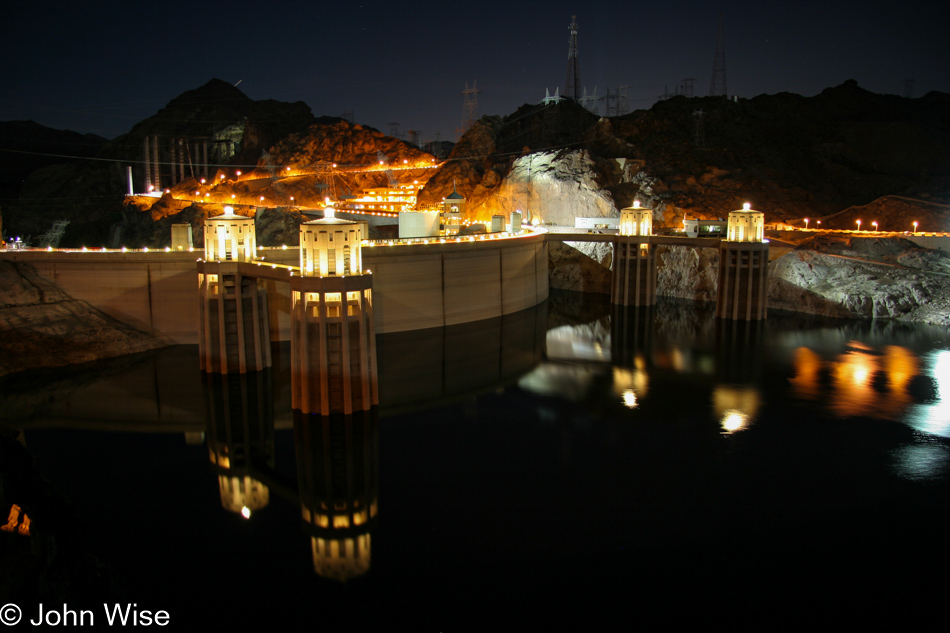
<point>415,286</point>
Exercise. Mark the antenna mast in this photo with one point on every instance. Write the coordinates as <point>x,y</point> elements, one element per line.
<point>717,87</point>
<point>572,87</point>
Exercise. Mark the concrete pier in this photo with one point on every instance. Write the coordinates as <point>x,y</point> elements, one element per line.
<point>634,278</point>
<point>743,280</point>
<point>234,330</point>
<point>333,362</point>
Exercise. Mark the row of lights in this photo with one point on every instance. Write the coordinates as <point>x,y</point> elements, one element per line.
<point>858,222</point>
<point>443,240</point>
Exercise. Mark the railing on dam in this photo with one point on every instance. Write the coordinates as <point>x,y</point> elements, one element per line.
<point>667,240</point>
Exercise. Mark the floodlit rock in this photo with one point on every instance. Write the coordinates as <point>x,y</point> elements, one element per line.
<point>41,326</point>
<point>555,187</point>
<point>876,278</point>
<point>865,278</point>
<point>687,273</point>
<point>580,266</point>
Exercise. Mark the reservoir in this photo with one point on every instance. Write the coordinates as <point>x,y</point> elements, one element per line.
<point>564,462</point>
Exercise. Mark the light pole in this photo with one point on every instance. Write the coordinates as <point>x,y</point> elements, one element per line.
<point>859,224</point>
<point>915,226</point>
<point>874,224</point>
<point>806,224</point>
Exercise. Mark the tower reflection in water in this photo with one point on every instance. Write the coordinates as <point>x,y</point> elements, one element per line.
<point>736,399</point>
<point>631,344</point>
<point>338,478</point>
<point>240,412</point>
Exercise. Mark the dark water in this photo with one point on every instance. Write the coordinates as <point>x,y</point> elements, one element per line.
<point>565,463</point>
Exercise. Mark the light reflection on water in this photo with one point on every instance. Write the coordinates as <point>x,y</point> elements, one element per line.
<point>933,416</point>
<point>887,382</point>
<point>848,372</point>
<point>921,461</point>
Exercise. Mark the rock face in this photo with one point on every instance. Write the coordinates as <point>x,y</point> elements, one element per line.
<point>873,278</point>
<point>555,187</point>
<point>687,273</point>
<point>41,326</point>
<point>580,266</point>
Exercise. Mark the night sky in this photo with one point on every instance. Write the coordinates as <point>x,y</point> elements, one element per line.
<point>101,67</point>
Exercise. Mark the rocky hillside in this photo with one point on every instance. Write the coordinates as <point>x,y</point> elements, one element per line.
<point>791,156</point>
<point>332,140</point>
<point>90,193</point>
<point>29,146</point>
<point>41,326</point>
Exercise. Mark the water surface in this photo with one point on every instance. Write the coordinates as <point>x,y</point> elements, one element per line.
<point>567,461</point>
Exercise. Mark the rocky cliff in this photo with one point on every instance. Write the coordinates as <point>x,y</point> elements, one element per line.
<point>41,326</point>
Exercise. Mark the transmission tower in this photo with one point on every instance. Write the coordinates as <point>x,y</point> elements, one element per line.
<point>414,137</point>
<point>572,88</point>
<point>717,87</point>
<point>394,129</point>
<point>615,103</point>
<point>589,101</point>
<point>610,103</point>
<point>908,88</point>
<point>688,87</point>
<point>469,106</point>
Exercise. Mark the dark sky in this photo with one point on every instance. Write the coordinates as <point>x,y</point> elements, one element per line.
<point>103,66</point>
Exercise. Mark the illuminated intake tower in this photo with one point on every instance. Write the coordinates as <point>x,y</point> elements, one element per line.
<point>634,278</point>
<point>234,332</point>
<point>333,346</point>
<point>743,267</point>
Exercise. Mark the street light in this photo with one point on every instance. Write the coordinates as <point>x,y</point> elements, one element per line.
<point>874,224</point>
<point>819,223</point>
<point>806,224</point>
<point>859,224</point>
<point>915,226</point>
